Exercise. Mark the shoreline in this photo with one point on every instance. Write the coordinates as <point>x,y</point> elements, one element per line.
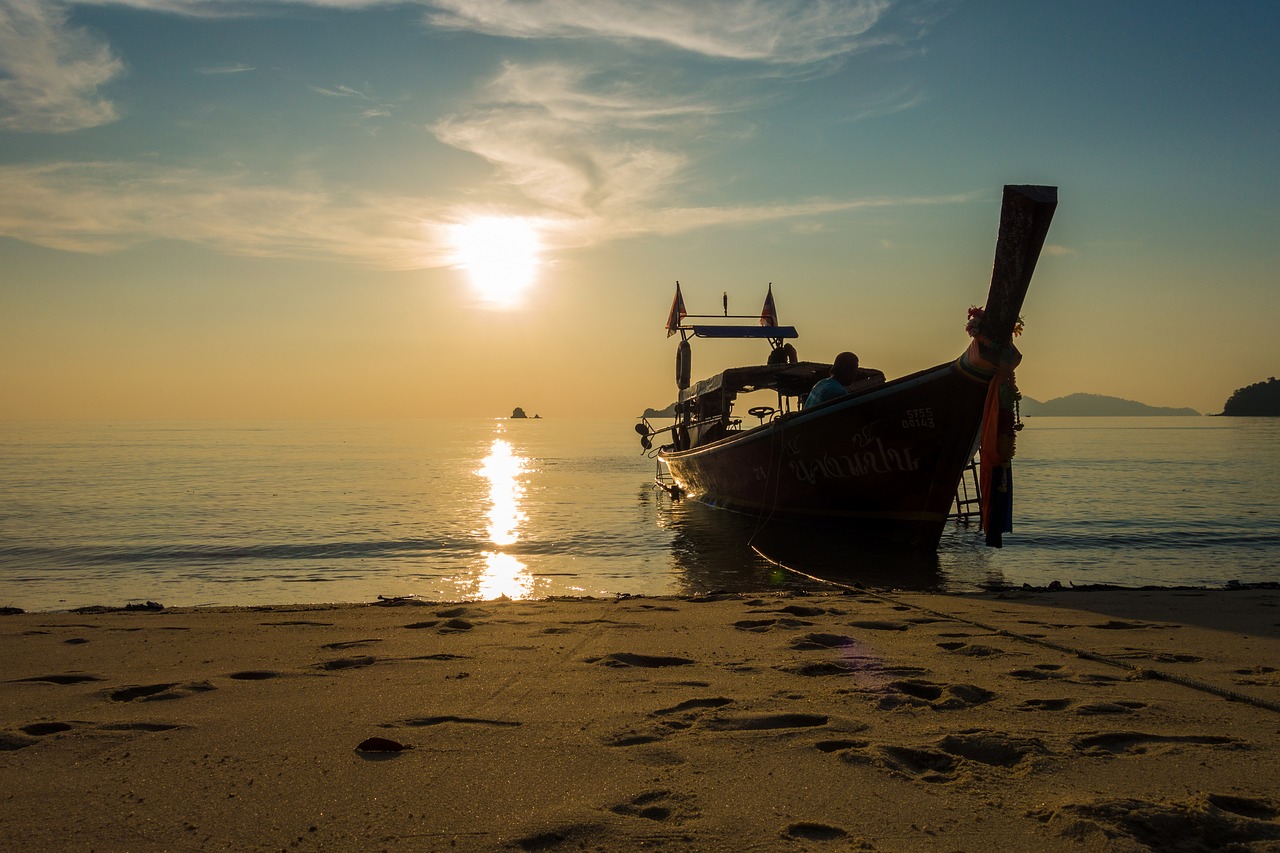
<point>835,588</point>
<point>1100,719</point>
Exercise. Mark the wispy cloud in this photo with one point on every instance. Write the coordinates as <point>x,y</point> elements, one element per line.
<point>371,107</point>
<point>572,144</point>
<point>104,207</point>
<point>230,68</point>
<point>773,31</point>
<point>591,152</point>
<point>235,8</point>
<point>50,72</point>
<point>776,31</point>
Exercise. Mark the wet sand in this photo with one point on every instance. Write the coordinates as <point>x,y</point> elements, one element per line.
<point>1041,720</point>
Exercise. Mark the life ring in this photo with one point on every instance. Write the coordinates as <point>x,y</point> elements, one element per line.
<point>684,357</point>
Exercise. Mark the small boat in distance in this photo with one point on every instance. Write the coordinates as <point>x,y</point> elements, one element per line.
<point>882,462</point>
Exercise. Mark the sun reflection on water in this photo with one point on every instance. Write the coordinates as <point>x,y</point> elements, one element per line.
<point>504,575</point>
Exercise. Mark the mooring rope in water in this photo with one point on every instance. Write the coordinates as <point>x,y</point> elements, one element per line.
<point>1141,672</point>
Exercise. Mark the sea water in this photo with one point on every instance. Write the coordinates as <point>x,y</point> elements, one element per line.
<point>223,513</point>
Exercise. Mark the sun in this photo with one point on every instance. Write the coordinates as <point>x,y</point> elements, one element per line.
<point>500,255</point>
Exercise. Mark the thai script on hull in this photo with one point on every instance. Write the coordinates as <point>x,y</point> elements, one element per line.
<point>875,458</point>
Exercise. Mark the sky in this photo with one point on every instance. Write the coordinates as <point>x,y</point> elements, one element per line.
<point>450,208</point>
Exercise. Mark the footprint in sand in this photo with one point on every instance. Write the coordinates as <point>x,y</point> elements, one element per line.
<point>350,644</point>
<point>1045,704</point>
<point>42,729</point>
<point>632,739</point>
<point>1138,743</point>
<point>688,717</point>
<point>810,642</point>
<point>459,612</point>
<point>804,611</point>
<point>940,697</point>
<point>808,831</point>
<point>346,663</point>
<point>629,659</point>
<point>567,837</point>
<point>943,761</point>
<point>840,745</point>
<point>659,806</point>
<point>158,692</point>
<point>819,669</point>
<point>1256,676</point>
<point>11,742</point>
<point>995,749</point>
<point>760,626</point>
<point>693,705</point>
<point>255,675</point>
<point>32,732</point>
<point>766,722</point>
<point>140,727</point>
<point>1159,657</point>
<point>1204,823</point>
<point>972,649</point>
<point>1038,672</point>
<point>65,678</point>
<point>927,765</point>
<point>418,722</point>
<point>1094,709</point>
<point>881,625</point>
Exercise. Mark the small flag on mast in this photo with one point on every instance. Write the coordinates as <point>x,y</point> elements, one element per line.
<point>677,312</point>
<point>769,316</point>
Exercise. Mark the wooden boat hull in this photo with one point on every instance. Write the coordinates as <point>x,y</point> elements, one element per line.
<point>886,461</point>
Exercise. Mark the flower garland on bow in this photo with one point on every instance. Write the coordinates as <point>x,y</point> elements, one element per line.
<point>976,313</point>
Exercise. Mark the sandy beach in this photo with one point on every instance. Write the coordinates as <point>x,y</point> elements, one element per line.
<point>1118,720</point>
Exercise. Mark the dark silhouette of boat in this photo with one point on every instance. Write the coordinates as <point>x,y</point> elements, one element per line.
<point>883,461</point>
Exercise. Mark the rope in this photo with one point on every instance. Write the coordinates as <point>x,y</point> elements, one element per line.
<point>1140,672</point>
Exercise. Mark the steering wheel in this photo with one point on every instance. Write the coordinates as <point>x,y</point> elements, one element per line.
<point>761,412</point>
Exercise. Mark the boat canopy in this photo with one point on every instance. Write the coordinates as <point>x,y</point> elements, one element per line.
<point>791,380</point>
<point>767,332</point>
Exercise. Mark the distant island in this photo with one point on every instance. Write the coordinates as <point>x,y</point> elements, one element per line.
<point>1261,399</point>
<point>1096,405</point>
<point>668,412</point>
<point>519,413</point>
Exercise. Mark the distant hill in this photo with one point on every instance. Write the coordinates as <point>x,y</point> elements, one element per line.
<point>1259,399</point>
<point>668,412</point>
<point>1096,405</point>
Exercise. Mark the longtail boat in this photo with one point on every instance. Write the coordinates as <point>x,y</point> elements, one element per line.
<point>883,461</point>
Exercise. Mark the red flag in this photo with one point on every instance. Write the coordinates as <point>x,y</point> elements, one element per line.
<point>769,316</point>
<point>677,312</point>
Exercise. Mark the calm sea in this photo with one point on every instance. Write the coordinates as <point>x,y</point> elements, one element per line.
<point>280,512</point>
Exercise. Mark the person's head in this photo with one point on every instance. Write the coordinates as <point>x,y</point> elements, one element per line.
<point>845,368</point>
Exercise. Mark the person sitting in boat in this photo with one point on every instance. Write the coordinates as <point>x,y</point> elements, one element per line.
<point>785,354</point>
<point>843,374</point>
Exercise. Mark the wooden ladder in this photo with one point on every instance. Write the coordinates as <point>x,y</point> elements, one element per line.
<point>968,503</point>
